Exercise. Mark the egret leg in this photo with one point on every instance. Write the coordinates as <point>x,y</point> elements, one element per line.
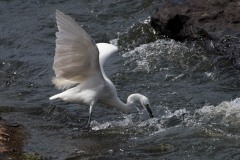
<point>90,114</point>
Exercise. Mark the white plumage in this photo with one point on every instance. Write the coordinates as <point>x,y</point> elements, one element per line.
<point>78,66</point>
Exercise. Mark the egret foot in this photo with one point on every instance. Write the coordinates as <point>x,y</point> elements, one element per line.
<point>86,128</point>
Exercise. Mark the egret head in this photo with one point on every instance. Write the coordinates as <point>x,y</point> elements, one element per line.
<point>135,98</point>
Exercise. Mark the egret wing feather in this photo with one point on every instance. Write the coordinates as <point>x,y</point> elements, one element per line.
<point>105,50</point>
<point>76,55</point>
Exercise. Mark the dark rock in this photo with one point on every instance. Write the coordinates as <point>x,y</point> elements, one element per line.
<point>196,19</point>
<point>214,22</point>
<point>11,140</point>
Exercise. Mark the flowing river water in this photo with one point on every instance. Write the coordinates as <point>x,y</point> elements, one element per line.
<point>193,95</point>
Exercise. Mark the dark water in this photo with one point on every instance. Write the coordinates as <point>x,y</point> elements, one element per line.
<point>193,95</point>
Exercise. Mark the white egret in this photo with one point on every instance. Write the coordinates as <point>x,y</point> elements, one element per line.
<point>78,66</point>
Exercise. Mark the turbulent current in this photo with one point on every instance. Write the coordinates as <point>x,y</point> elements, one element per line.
<point>193,94</point>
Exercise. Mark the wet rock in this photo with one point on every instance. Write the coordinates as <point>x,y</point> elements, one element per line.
<point>215,22</point>
<point>194,19</point>
<point>11,140</point>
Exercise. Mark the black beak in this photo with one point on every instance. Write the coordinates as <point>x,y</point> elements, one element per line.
<point>149,111</point>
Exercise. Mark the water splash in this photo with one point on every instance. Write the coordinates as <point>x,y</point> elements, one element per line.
<point>152,57</point>
<point>127,121</point>
<point>226,114</point>
<point>220,119</point>
<point>139,122</point>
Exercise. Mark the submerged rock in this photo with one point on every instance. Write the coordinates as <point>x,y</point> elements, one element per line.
<point>215,22</point>
<point>12,138</point>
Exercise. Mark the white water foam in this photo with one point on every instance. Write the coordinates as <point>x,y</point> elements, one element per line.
<point>226,115</point>
<point>110,124</point>
<point>151,56</point>
<point>157,124</point>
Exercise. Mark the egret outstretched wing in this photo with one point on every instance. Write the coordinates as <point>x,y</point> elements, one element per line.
<point>79,60</point>
<point>76,56</point>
